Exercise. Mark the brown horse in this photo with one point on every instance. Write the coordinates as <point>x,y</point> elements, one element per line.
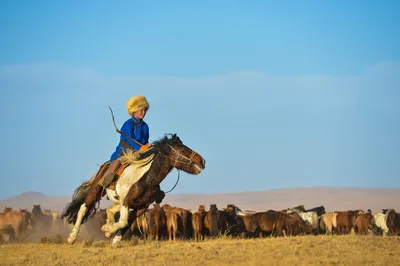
<point>212,221</point>
<point>363,223</point>
<point>14,223</point>
<point>259,223</point>
<point>229,221</point>
<point>157,223</point>
<point>164,155</point>
<point>198,225</point>
<point>185,224</point>
<point>286,224</point>
<point>393,221</point>
<point>40,221</point>
<point>346,221</point>
<point>174,223</point>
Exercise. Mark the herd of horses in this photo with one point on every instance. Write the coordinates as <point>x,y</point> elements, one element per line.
<point>167,222</point>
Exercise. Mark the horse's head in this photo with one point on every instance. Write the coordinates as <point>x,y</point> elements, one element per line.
<point>37,210</point>
<point>181,157</point>
<point>201,208</point>
<point>213,207</point>
<point>231,209</point>
<point>7,209</point>
<point>27,216</point>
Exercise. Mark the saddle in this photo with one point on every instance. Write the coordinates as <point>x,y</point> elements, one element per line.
<point>118,173</point>
<point>103,169</point>
<point>129,158</point>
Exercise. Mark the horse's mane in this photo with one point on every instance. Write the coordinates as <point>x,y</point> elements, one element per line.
<point>160,145</point>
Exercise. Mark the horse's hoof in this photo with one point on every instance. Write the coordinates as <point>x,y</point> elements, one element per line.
<point>70,240</point>
<point>116,245</point>
<point>107,234</point>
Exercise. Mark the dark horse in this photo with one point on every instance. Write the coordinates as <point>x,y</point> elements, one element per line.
<point>136,188</point>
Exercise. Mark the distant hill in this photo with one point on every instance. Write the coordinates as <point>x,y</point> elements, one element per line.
<point>28,199</point>
<point>29,195</point>
<point>333,198</point>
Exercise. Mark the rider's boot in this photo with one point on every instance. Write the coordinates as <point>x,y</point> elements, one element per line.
<point>109,175</point>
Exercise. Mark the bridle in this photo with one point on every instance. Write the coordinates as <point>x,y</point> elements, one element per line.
<point>178,154</point>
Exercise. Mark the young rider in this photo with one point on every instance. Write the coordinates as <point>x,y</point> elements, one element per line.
<point>134,135</point>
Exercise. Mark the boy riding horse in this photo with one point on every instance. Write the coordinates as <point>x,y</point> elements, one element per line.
<point>134,135</point>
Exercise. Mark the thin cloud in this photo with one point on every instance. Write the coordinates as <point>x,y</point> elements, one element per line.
<point>308,129</point>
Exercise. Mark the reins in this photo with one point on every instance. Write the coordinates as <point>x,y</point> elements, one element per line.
<point>177,155</point>
<point>179,174</point>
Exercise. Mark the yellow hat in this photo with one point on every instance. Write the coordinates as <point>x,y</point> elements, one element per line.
<point>136,103</point>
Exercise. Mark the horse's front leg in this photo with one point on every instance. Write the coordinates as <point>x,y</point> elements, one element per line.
<point>17,232</point>
<point>121,232</point>
<point>137,191</point>
<point>123,221</point>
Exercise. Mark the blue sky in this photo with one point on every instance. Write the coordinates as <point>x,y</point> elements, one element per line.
<point>273,94</point>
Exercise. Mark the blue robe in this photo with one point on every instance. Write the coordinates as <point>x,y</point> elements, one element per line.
<point>135,128</point>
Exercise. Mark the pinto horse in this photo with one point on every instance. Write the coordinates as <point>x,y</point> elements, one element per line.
<point>131,194</point>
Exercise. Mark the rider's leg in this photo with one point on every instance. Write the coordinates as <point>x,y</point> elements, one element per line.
<point>109,175</point>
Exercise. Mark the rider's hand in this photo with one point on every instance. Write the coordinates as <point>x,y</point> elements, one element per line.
<point>145,147</point>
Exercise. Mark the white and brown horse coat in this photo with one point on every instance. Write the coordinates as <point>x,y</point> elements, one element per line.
<point>132,197</point>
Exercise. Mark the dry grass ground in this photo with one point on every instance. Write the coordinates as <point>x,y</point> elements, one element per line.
<point>341,250</point>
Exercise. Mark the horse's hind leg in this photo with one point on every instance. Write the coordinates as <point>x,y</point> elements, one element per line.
<point>111,211</point>
<point>75,230</point>
<point>92,196</point>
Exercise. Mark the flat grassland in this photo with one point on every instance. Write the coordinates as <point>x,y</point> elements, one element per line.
<point>300,250</point>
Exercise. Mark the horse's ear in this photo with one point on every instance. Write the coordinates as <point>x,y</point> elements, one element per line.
<point>172,136</point>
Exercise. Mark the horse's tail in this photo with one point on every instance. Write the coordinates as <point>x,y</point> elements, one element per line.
<point>78,198</point>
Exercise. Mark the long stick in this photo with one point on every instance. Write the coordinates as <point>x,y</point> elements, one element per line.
<point>119,131</point>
